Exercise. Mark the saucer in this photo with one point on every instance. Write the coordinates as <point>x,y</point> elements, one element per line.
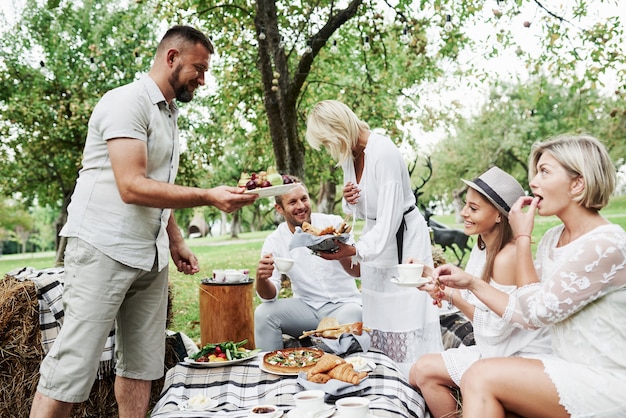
<point>296,413</point>
<point>416,283</point>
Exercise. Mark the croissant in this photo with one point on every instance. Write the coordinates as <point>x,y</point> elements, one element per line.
<point>345,372</point>
<point>356,328</point>
<point>307,227</point>
<point>318,378</point>
<point>329,230</point>
<point>324,364</point>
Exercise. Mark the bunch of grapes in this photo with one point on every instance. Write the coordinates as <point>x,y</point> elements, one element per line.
<point>263,179</point>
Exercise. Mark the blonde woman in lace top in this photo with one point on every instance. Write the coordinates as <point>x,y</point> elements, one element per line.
<point>581,297</point>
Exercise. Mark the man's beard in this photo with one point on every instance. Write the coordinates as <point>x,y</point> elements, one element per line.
<point>182,92</point>
<point>183,95</point>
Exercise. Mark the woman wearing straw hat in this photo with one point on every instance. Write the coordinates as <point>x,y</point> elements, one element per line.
<point>581,297</point>
<point>488,201</point>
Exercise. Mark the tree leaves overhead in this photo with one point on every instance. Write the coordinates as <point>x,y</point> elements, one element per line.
<point>277,58</point>
<point>57,62</point>
<point>514,118</point>
<point>382,58</point>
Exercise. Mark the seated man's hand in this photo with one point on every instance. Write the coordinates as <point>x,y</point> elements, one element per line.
<point>265,268</point>
<point>264,287</point>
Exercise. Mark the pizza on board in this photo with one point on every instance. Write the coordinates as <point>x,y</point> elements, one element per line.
<point>292,360</point>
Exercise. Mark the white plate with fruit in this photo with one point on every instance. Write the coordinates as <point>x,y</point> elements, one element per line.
<point>272,190</point>
<point>266,183</point>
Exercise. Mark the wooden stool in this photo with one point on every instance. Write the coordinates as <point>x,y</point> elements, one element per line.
<point>227,313</point>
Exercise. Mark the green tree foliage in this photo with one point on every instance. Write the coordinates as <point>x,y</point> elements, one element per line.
<point>277,58</point>
<point>516,116</point>
<point>56,62</point>
<point>15,222</point>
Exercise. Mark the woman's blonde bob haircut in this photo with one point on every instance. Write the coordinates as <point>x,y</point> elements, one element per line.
<point>582,156</point>
<point>334,126</point>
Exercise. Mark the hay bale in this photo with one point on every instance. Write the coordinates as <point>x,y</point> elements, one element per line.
<point>21,354</point>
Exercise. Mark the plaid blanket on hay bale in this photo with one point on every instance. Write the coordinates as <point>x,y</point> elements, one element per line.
<point>31,314</point>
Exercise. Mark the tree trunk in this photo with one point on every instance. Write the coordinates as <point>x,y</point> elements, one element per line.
<point>223,223</point>
<point>235,225</point>
<point>457,203</point>
<point>281,92</point>
<point>60,242</point>
<point>327,195</point>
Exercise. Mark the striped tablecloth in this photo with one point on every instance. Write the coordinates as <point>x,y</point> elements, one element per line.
<point>239,387</point>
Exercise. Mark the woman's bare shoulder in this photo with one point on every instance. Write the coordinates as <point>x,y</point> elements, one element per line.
<point>504,265</point>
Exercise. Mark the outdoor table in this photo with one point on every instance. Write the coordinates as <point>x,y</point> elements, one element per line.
<point>239,387</point>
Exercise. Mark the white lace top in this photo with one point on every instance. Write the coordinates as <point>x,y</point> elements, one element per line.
<point>582,298</point>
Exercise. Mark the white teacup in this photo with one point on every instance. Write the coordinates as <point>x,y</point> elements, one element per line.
<point>233,276</point>
<point>309,401</point>
<point>283,265</point>
<point>410,272</point>
<point>219,276</point>
<point>353,407</point>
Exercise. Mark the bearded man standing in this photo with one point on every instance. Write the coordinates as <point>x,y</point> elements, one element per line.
<point>120,229</point>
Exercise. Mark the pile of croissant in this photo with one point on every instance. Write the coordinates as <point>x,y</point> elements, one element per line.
<point>329,230</point>
<point>330,366</point>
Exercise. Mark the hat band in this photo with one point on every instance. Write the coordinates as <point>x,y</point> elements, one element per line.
<point>492,194</point>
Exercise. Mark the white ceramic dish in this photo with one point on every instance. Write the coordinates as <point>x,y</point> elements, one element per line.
<point>410,271</point>
<point>235,277</point>
<point>276,414</point>
<point>360,364</point>
<point>221,363</point>
<point>273,190</point>
<point>417,283</point>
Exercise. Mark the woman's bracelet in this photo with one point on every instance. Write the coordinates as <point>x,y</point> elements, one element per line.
<point>450,301</point>
<point>524,235</point>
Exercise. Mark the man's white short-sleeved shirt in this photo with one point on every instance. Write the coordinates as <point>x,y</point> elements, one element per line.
<point>313,280</point>
<point>130,234</point>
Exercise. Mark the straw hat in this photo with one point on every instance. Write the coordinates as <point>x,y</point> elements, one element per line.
<point>499,187</point>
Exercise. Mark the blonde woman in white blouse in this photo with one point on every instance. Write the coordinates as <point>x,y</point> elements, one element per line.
<point>581,296</point>
<point>377,189</point>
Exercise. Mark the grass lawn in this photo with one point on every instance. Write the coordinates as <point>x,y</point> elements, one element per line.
<point>243,252</point>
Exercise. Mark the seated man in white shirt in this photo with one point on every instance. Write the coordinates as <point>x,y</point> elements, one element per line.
<point>321,288</point>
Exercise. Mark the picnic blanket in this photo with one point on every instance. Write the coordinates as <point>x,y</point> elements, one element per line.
<point>49,285</point>
<point>237,388</point>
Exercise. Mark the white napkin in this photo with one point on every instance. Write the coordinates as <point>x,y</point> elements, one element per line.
<point>345,344</point>
<point>315,243</point>
<point>334,388</point>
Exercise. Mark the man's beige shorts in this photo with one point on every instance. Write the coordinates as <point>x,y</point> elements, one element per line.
<point>99,292</point>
